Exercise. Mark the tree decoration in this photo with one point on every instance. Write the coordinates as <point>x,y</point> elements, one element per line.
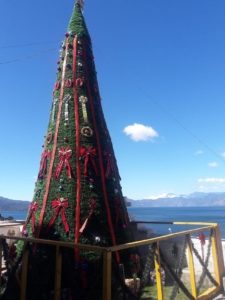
<point>83,100</point>
<point>31,216</point>
<point>88,155</point>
<point>110,165</point>
<point>92,207</point>
<point>64,157</point>
<point>79,82</point>
<point>87,131</point>
<point>59,205</point>
<point>68,83</point>
<point>43,164</point>
<point>57,86</point>
<point>53,109</point>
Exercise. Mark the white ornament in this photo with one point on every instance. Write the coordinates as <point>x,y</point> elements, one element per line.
<point>53,109</point>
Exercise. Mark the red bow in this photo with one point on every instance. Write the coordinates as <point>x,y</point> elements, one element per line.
<point>89,155</point>
<point>60,205</point>
<point>64,156</point>
<point>79,82</point>
<point>91,211</point>
<point>68,83</point>
<point>110,166</point>
<point>57,86</point>
<point>33,209</point>
<point>43,164</point>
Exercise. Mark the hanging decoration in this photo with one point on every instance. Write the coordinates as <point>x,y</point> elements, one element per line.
<point>49,137</point>
<point>89,154</point>
<point>83,100</point>
<point>54,108</point>
<point>79,82</point>
<point>59,205</point>
<point>57,86</point>
<point>92,207</point>
<point>31,216</point>
<point>43,164</point>
<point>64,156</point>
<point>68,83</point>
<point>110,165</point>
<point>87,131</point>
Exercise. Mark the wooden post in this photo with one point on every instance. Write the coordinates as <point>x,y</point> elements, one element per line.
<point>191,267</point>
<point>158,273</point>
<point>215,257</point>
<point>107,275</point>
<point>58,273</point>
<point>24,274</point>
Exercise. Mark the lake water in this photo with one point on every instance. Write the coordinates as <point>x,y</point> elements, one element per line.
<point>165,214</point>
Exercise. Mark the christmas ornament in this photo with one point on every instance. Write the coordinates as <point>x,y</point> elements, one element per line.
<point>57,86</point>
<point>68,83</point>
<point>87,131</point>
<point>43,164</point>
<point>54,108</point>
<point>110,165</point>
<point>49,138</point>
<point>64,156</point>
<point>92,207</point>
<point>83,100</point>
<point>59,205</point>
<point>79,82</point>
<point>31,216</point>
<point>89,154</point>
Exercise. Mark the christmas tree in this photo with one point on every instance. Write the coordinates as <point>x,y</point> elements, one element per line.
<point>78,196</point>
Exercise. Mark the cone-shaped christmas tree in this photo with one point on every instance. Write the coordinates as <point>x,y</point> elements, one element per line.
<point>78,195</point>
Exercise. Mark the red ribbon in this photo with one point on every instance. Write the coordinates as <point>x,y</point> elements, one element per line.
<point>202,238</point>
<point>68,83</point>
<point>57,86</point>
<point>79,82</point>
<point>110,166</point>
<point>60,205</point>
<point>43,164</point>
<point>91,211</point>
<point>32,210</point>
<point>89,155</point>
<point>64,156</point>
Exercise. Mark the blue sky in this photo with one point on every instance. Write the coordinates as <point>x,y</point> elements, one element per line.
<point>161,66</point>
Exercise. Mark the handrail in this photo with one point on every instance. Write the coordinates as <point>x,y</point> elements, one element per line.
<point>217,259</point>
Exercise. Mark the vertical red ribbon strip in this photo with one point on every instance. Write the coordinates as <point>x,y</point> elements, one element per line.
<point>31,216</point>
<point>101,165</point>
<point>49,177</point>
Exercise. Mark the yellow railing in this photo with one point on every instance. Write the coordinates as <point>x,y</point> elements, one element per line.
<point>192,292</point>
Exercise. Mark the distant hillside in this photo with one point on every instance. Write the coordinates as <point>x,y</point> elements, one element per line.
<point>13,205</point>
<point>195,199</point>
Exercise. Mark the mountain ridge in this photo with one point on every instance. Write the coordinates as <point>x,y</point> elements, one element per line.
<point>191,200</point>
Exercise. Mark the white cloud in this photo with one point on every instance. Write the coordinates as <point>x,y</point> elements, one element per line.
<point>199,152</point>
<point>211,184</point>
<point>211,180</point>
<point>213,164</point>
<point>139,132</point>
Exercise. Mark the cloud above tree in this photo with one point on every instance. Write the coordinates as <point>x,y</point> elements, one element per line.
<point>140,133</point>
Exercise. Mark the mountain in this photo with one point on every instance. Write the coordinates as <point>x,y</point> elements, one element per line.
<point>13,205</point>
<point>194,199</point>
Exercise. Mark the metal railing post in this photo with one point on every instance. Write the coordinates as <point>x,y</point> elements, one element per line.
<point>191,267</point>
<point>24,274</point>
<point>107,275</point>
<point>58,273</point>
<point>158,272</point>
